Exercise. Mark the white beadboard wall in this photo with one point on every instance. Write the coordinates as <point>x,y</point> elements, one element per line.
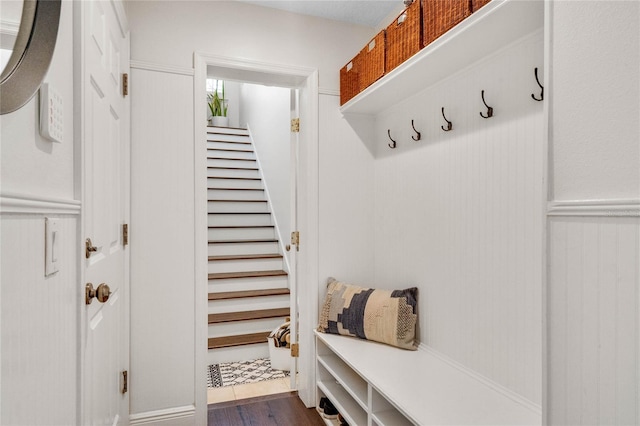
<point>39,323</point>
<point>592,299</point>
<point>460,215</point>
<point>346,201</point>
<point>162,243</point>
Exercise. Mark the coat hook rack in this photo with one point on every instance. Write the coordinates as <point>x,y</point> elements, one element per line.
<point>392,146</point>
<point>418,136</point>
<point>541,87</point>
<point>489,109</point>
<point>449,124</point>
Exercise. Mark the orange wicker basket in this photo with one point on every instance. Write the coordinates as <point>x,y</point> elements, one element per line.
<point>439,16</point>
<point>404,36</point>
<point>477,4</point>
<point>371,61</point>
<point>349,81</point>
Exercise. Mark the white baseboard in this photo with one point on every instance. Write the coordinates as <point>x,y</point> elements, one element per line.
<point>177,416</point>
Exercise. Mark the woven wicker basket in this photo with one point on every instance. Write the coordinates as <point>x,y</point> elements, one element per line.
<point>477,4</point>
<point>439,16</point>
<point>404,36</point>
<point>349,81</point>
<point>371,61</point>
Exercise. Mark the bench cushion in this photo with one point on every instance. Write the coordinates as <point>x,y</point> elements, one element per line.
<point>386,316</point>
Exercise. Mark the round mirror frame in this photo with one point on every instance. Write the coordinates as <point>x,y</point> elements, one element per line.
<point>32,55</point>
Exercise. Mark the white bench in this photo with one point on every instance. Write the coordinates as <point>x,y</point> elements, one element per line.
<point>379,385</point>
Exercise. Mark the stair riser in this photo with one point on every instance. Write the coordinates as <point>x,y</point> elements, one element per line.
<point>235,353</point>
<point>245,265</point>
<point>241,234</point>
<point>248,303</point>
<point>234,183</point>
<point>218,137</point>
<point>243,327</point>
<point>238,173</point>
<point>230,130</point>
<point>248,164</point>
<point>236,207</point>
<point>235,194</point>
<point>231,154</point>
<point>239,220</point>
<point>261,283</point>
<point>243,248</point>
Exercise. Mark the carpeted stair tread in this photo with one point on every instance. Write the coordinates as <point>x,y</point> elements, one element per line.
<point>248,293</point>
<point>248,315</point>
<point>238,340</point>
<point>247,274</point>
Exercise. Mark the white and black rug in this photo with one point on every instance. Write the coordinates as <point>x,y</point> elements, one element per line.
<point>242,372</point>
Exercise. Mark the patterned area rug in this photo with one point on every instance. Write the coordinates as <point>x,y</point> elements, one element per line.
<point>239,373</point>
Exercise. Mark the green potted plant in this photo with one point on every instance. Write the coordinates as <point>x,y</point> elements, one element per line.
<point>218,108</point>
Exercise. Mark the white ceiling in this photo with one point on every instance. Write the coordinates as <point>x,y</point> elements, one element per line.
<point>362,12</point>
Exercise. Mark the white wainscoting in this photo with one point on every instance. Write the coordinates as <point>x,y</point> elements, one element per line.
<point>39,320</point>
<point>593,313</point>
<point>461,215</point>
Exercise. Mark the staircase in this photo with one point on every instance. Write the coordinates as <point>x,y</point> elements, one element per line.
<point>248,284</point>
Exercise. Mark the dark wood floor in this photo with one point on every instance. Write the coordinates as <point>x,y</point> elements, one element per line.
<point>284,409</point>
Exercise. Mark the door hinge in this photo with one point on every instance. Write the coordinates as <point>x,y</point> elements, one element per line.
<point>125,381</point>
<point>295,239</point>
<point>295,350</point>
<point>125,234</point>
<point>125,84</point>
<point>295,125</point>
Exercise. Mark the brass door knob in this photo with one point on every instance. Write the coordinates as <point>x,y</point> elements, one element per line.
<point>101,293</point>
<point>288,247</point>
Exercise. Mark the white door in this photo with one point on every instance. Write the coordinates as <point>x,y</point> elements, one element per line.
<point>294,247</point>
<point>104,132</point>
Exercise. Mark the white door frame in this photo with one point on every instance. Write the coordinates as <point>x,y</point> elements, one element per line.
<point>305,79</point>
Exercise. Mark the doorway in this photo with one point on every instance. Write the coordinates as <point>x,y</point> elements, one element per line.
<point>304,298</point>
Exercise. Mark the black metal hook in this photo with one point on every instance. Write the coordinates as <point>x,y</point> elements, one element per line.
<point>541,87</point>
<point>489,109</point>
<point>417,132</point>
<point>394,142</point>
<point>449,124</point>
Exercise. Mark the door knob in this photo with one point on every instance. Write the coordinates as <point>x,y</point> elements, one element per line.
<point>101,293</point>
<point>288,247</point>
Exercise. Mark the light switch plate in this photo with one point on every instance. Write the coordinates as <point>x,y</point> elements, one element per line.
<point>51,114</point>
<point>51,245</point>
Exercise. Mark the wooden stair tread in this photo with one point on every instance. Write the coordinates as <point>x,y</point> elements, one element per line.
<point>248,315</point>
<point>232,168</point>
<point>248,293</point>
<point>234,177</point>
<point>232,213</point>
<point>246,257</point>
<point>241,227</point>
<point>238,201</point>
<point>266,240</point>
<point>234,189</point>
<point>229,149</point>
<point>246,274</point>
<point>238,340</point>
<point>231,159</point>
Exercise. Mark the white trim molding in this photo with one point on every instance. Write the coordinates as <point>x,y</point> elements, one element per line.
<point>34,204</point>
<point>604,208</point>
<point>169,415</point>
<point>150,66</point>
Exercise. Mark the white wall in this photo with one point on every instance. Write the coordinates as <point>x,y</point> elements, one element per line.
<point>162,243</point>
<point>266,111</point>
<point>459,215</point>
<point>39,315</point>
<point>168,32</point>
<point>594,246</point>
